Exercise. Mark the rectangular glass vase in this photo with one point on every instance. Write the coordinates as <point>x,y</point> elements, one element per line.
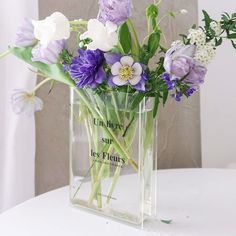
<point>113,155</point>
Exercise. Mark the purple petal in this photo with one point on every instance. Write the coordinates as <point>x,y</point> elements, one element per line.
<point>112,58</point>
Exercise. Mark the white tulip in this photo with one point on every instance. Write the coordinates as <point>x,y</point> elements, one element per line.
<point>54,27</point>
<point>104,37</point>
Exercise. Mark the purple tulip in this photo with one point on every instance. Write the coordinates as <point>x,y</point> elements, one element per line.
<point>196,75</point>
<point>50,54</point>
<point>87,69</point>
<point>179,60</point>
<point>116,11</point>
<point>179,63</point>
<point>25,34</point>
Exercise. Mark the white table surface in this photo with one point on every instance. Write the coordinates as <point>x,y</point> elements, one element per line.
<point>200,202</point>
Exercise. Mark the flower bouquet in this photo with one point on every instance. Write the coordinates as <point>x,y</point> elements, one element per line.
<point>115,95</point>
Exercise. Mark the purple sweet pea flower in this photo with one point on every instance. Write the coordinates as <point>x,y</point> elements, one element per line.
<point>25,34</point>
<point>116,11</point>
<point>170,83</point>
<point>177,96</point>
<point>190,92</point>
<point>87,69</point>
<point>50,54</point>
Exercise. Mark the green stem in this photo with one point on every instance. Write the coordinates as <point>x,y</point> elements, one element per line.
<point>114,181</point>
<point>78,22</point>
<point>135,45</point>
<point>118,170</point>
<point>116,108</point>
<point>4,54</point>
<point>41,84</point>
<point>98,180</point>
<point>117,145</point>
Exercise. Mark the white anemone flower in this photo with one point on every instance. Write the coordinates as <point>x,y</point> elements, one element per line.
<point>104,37</point>
<point>54,27</point>
<point>126,72</point>
<point>25,103</point>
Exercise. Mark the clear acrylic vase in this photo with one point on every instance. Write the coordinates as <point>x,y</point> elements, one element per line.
<point>113,155</point>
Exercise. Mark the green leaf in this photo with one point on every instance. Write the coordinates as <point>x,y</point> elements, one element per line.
<point>207,20</point>
<point>152,11</point>
<point>218,42</point>
<point>165,96</point>
<point>52,71</point>
<point>156,105</point>
<point>234,44</point>
<point>153,43</point>
<point>232,36</point>
<point>167,221</point>
<point>125,38</point>
<point>172,14</point>
<point>138,98</point>
<point>152,14</point>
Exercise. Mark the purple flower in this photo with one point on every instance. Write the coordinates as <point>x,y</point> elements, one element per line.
<point>124,71</point>
<point>116,11</point>
<point>179,63</point>
<point>87,69</point>
<point>179,60</point>
<point>50,54</point>
<point>25,34</point>
<point>196,75</point>
<point>190,92</point>
<point>170,83</point>
<point>177,96</point>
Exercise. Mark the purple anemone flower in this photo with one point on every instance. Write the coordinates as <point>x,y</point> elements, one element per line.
<point>87,69</point>
<point>116,11</point>
<point>50,54</point>
<point>25,34</point>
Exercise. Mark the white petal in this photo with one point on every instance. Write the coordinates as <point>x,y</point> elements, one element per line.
<point>54,27</point>
<point>135,80</point>
<point>95,25</point>
<point>115,69</point>
<point>111,27</point>
<point>138,70</point>
<point>127,61</point>
<point>118,81</point>
<point>113,40</point>
<point>85,35</point>
<point>62,26</point>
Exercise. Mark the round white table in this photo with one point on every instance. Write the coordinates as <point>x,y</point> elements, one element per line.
<point>200,202</point>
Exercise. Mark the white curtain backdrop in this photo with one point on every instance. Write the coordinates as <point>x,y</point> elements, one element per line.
<point>17,133</point>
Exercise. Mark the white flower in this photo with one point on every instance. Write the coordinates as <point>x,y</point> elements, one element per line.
<point>126,71</point>
<point>54,27</point>
<point>25,103</point>
<point>205,53</point>
<point>104,37</point>
<point>183,11</point>
<point>197,36</point>
<point>176,43</point>
<point>216,26</point>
